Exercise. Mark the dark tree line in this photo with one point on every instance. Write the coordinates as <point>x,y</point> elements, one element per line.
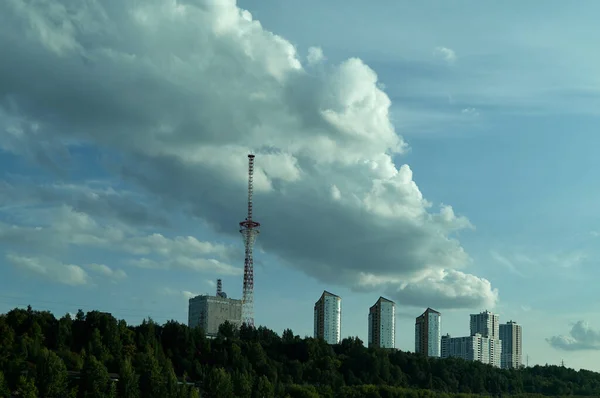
<point>96,355</point>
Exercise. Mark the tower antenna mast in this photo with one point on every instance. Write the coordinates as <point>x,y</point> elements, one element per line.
<point>219,288</point>
<point>249,230</point>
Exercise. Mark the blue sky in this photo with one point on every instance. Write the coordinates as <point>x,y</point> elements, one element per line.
<point>124,130</point>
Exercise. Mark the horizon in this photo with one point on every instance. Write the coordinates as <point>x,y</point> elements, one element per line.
<point>310,335</point>
<point>525,359</point>
<point>439,156</point>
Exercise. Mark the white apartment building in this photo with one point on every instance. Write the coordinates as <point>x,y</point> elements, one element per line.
<point>472,348</point>
<point>428,333</point>
<point>511,335</point>
<point>209,312</point>
<point>382,324</point>
<point>328,318</point>
<point>466,348</point>
<point>486,324</point>
<point>495,354</point>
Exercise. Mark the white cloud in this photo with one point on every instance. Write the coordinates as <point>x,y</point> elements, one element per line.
<point>506,263</point>
<point>315,55</point>
<point>56,271</point>
<point>106,271</point>
<point>531,263</point>
<point>54,229</point>
<point>447,54</point>
<point>581,337</point>
<point>186,246</point>
<point>182,262</point>
<point>211,85</point>
<point>335,193</point>
<point>182,294</point>
<point>472,112</point>
<point>445,288</point>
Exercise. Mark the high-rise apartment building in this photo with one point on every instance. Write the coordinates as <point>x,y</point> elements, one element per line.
<point>511,335</point>
<point>328,318</point>
<point>466,348</point>
<point>428,333</point>
<point>382,324</point>
<point>486,324</point>
<point>209,312</point>
<point>472,348</point>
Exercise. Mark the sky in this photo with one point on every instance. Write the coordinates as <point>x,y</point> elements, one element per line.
<point>438,154</point>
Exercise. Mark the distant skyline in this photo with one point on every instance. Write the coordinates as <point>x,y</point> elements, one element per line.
<point>440,155</point>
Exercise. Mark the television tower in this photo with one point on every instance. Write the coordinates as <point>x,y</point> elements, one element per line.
<point>249,230</point>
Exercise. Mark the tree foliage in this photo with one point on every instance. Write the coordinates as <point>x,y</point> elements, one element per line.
<point>4,391</point>
<point>96,355</point>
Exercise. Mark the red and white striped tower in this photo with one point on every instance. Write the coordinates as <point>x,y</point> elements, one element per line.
<point>249,230</point>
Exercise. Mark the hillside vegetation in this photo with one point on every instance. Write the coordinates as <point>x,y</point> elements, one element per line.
<point>82,357</point>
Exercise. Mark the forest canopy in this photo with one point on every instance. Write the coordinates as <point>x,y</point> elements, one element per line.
<point>96,355</point>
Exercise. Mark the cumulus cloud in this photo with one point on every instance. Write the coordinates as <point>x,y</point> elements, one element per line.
<point>315,55</point>
<point>581,338</point>
<point>447,54</point>
<point>184,90</point>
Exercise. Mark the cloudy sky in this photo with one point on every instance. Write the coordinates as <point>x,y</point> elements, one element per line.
<point>439,154</point>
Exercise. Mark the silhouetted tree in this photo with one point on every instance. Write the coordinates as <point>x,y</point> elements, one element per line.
<point>36,350</point>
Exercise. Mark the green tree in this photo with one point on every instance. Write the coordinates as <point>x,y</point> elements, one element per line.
<point>151,378</point>
<point>227,330</point>
<point>7,341</point>
<point>296,391</point>
<point>170,380</point>
<point>96,347</point>
<point>51,375</point>
<point>65,332</point>
<point>26,388</point>
<point>4,390</point>
<point>242,385</point>
<point>243,363</point>
<point>264,388</point>
<point>95,381</point>
<point>128,385</point>
<point>219,384</point>
<point>193,392</point>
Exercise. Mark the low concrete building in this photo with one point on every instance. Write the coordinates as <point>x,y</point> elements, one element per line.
<point>210,312</point>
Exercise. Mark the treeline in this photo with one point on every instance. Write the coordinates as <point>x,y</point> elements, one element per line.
<point>95,355</point>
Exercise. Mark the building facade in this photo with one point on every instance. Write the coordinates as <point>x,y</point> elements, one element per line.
<point>328,318</point>
<point>466,348</point>
<point>428,333</point>
<point>486,324</point>
<point>511,335</point>
<point>382,324</point>
<point>209,312</point>
<point>472,348</point>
